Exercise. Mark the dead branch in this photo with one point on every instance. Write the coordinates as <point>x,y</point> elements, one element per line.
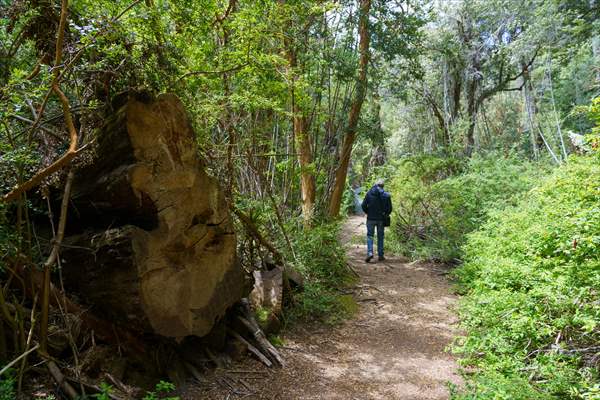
<point>16,360</point>
<point>60,379</point>
<point>42,128</point>
<point>264,359</point>
<point>52,259</point>
<point>27,344</point>
<point>220,72</point>
<point>252,229</point>
<point>259,336</point>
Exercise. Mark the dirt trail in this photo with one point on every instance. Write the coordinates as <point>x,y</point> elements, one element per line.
<point>392,349</point>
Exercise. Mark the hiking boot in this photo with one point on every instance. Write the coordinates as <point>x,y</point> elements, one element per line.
<point>369,258</point>
<point>381,258</point>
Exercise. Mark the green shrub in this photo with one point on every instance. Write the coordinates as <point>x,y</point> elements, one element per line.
<point>321,260</point>
<point>161,391</point>
<point>531,280</point>
<point>105,392</point>
<point>438,201</point>
<point>7,386</point>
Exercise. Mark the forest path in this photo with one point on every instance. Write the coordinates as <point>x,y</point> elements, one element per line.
<point>392,349</point>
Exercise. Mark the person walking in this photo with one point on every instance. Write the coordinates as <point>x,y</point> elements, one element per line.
<point>377,204</point>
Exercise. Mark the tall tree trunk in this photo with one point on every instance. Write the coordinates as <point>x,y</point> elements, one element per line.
<point>471,109</point>
<point>303,144</point>
<point>302,139</point>
<point>350,131</point>
<point>531,109</point>
<point>378,153</point>
<point>307,177</point>
<point>556,118</point>
<point>472,102</point>
<point>596,45</point>
<point>456,92</point>
<point>446,81</point>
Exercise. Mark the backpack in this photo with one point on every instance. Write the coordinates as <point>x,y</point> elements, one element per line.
<point>387,220</point>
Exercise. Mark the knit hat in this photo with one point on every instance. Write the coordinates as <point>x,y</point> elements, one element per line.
<point>380,182</point>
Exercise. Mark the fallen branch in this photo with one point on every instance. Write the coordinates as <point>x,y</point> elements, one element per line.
<point>16,360</point>
<point>96,388</point>
<point>252,229</point>
<point>259,336</point>
<point>61,380</point>
<point>264,359</point>
<point>216,360</point>
<point>27,344</point>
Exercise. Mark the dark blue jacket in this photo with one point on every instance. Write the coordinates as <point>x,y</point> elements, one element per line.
<point>377,204</point>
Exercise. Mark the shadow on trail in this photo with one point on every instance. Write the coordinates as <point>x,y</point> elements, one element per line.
<point>394,348</point>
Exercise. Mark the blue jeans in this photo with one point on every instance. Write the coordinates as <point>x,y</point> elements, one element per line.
<point>370,233</point>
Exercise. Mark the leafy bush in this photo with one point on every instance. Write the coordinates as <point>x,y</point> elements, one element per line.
<point>322,262</point>
<point>317,255</point>
<point>161,391</point>
<point>532,304</point>
<point>7,386</point>
<point>105,392</point>
<point>438,201</point>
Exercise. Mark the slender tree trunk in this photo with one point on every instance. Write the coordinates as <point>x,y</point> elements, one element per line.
<point>471,110</point>
<point>530,109</point>
<point>301,137</point>
<point>596,45</point>
<point>350,131</point>
<point>556,119</point>
<point>303,144</point>
<point>378,153</point>
<point>472,103</point>
<point>446,81</point>
<point>307,177</point>
<point>456,92</point>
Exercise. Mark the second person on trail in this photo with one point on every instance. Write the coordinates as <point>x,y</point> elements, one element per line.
<point>378,207</point>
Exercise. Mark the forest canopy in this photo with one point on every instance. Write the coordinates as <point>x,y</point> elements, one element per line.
<point>482,116</point>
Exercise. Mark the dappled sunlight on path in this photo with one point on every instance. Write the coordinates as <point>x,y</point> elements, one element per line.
<point>394,348</point>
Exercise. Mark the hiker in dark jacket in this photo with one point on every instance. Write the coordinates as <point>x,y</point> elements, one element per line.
<point>378,207</point>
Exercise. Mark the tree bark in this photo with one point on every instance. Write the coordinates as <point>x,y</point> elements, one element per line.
<point>303,144</point>
<point>531,110</point>
<point>596,46</point>
<point>350,132</point>
<point>472,103</point>
<point>378,153</point>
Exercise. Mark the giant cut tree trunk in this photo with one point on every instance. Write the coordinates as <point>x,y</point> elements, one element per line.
<point>350,133</point>
<point>156,250</point>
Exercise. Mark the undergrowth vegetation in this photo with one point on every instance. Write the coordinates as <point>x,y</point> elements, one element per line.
<point>438,200</point>
<point>316,253</point>
<point>321,260</point>
<point>532,306</point>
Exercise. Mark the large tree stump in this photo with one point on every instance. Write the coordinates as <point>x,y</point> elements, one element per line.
<point>161,256</point>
